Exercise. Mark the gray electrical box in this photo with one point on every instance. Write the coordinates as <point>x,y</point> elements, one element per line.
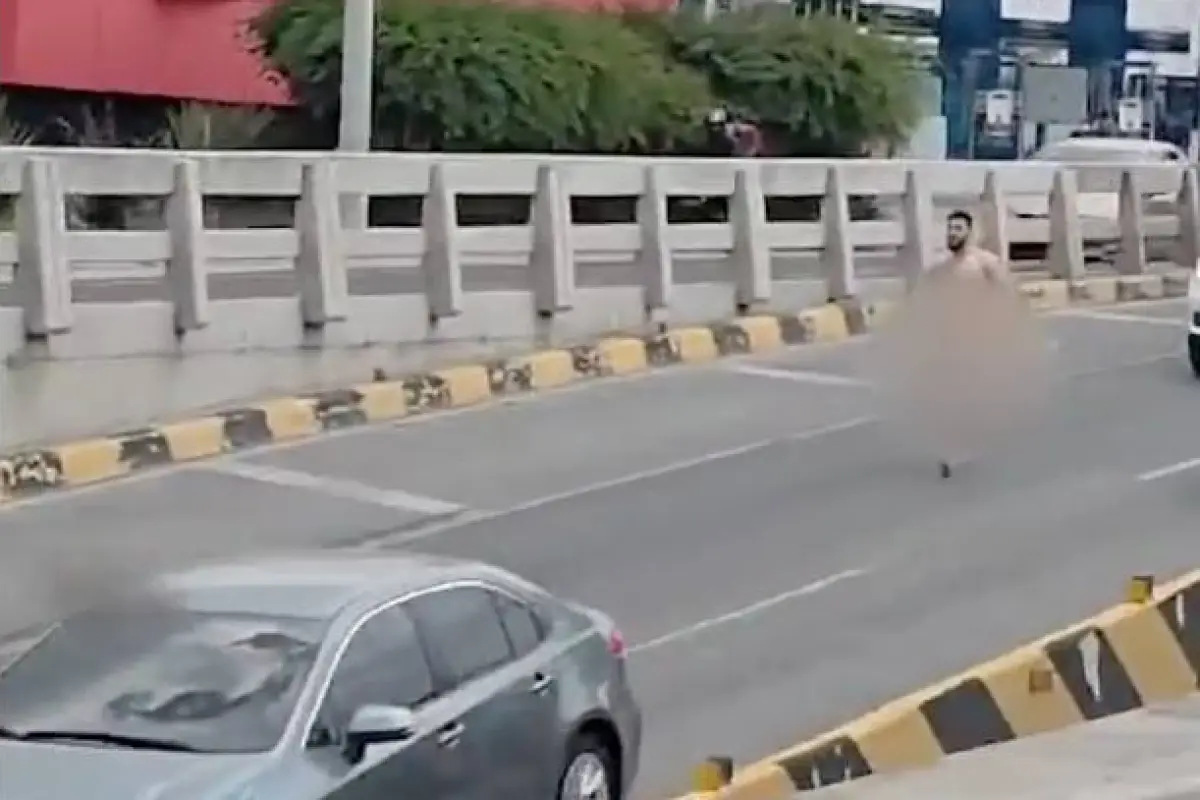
<point>1054,95</point>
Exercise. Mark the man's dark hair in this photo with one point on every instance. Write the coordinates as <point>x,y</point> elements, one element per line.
<point>965,216</point>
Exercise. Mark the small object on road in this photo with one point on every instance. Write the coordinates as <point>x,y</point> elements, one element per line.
<point>945,468</point>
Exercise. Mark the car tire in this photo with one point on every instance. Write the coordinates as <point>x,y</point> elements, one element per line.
<point>1194,353</point>
<point>590,773</point>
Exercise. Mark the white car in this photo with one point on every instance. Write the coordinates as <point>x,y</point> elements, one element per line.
<point>1102,206</point>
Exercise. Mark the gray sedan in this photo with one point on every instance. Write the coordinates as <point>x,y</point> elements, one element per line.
<point>323,678</point>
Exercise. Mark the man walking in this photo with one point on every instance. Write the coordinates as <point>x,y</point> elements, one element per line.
<point>967,263</point>
<point>964,361</point>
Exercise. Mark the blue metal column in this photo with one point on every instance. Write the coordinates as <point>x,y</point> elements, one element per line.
<point>1098,39</point>
<point>964,26</point>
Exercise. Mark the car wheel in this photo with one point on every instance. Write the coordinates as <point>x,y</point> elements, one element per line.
<point>590,774</point>
<point>1194,354</point>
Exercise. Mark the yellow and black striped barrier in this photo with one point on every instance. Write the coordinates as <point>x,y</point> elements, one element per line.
<point>387,398</point>
<point>1142,652</point>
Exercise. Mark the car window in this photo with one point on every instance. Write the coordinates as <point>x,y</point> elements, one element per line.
<point>384,663</point>
<point>524,628</point>
<point>214,682</point>
<point>464,632</point>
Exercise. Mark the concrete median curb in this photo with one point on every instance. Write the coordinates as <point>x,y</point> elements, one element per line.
<point>1143,652</point>
<point>72,464</point>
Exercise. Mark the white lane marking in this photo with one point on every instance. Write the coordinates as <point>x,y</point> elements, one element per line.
<point>799,376</point>
<point>689,631</point>
<point>336,487</point>
<point>623,480</point>
<point>1112,316</point>
<point>1169,470</point>
<point>448,415</point>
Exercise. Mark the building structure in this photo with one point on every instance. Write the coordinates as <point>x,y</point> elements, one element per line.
<point>1141,56</point>
<point>1135,51</point>
<point>171,49</point>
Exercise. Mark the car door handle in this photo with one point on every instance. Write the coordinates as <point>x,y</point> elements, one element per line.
<point>450,734</point>
<point>541,683</point>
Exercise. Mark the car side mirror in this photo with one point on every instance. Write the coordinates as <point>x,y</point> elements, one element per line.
<point>377,724</point>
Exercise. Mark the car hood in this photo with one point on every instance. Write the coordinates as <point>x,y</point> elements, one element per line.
<point>44,771</point>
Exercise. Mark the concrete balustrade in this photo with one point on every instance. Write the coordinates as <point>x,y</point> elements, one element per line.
<point>179,285</point>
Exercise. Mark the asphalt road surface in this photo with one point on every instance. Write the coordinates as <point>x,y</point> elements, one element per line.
<point>777,557</point>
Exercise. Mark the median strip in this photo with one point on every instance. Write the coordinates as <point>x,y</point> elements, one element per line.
<point>37,471</point>
<point>1140,653</point>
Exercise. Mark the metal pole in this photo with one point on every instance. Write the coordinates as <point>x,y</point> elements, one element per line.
<point>354,130</point>
<point>971,79</point>
<point>1151,101</point>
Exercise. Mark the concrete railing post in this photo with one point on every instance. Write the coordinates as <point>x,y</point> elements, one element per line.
<point>43,276</point>
<point>321,265</point>
<point>187,271</point>
<point>751,253</point>
<point>1188,250</point>
<point>1131,221</point>
<point>994,217</point>
<point>552,262</point>
<point>654,258</point>
<point>441,263</point>
<point>917,251</point>
<point>837,255</point>
<point>1064,255</point>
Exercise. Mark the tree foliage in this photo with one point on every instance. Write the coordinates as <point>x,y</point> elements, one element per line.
<point>480,75</point>
<point>197,126</point>
<point>819,85</point>
<point>501,76</point>
<point>12,132</point>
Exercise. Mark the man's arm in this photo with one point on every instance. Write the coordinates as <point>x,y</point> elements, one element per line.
<point>993,267</point>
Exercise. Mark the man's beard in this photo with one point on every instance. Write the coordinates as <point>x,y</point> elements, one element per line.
<point>956,246</point>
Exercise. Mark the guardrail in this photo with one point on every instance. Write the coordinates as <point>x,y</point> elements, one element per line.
<point>179,277</point>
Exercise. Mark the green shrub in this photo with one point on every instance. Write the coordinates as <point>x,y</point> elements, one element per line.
<point>818,85</point>
<point>12,132</point>
<point>490,76</point>
<point>485,76</point>
<point>199,126</point>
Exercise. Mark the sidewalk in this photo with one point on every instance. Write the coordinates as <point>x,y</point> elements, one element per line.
<point>1152,754</point>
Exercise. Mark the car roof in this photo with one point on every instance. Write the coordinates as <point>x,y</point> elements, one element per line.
<point>1115,143</point>
<point>315,586</point>
<point>1098,144</point>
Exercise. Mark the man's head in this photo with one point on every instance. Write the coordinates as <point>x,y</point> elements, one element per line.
<point>958,230</point>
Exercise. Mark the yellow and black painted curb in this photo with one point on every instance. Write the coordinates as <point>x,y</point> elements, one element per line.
<point>1142,652</point>
<point>88,461</point>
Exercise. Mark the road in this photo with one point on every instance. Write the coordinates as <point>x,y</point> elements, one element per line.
<point>779,559</point>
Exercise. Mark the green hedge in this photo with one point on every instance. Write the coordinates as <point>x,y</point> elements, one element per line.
<point>474,75</point>
<point>817,85</point>
<point>484,76</point>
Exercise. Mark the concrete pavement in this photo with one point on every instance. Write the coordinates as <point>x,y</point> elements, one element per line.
<point>778,558</point>
<point>40,398</point>
<point>1150,754</point>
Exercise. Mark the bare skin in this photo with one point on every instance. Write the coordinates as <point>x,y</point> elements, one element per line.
<point>971,261</point>
<point>965,261</point>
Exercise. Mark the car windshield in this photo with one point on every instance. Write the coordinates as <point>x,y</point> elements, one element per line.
<point>210,682</point>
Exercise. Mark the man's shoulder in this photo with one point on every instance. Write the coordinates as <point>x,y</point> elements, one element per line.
<point>986,258</point>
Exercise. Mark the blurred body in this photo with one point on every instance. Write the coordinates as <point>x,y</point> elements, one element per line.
<point>964,360</point>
